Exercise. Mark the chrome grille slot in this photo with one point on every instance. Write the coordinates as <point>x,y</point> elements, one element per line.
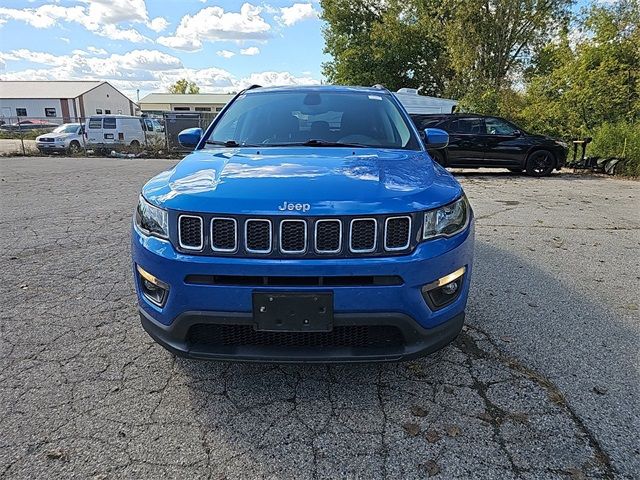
<point>328,236</point>
<point>257,234</point>
<point>224,234</point>
<point>190,235</point>
<point>293,236</point>
<point>397,234</point>
<point>363,235</point>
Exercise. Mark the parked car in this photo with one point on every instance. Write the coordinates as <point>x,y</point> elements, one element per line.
<point>122,131</point>
<point>24,125</point>
<point>479,141</point>
<point>309,224</point>
<point>68,138</point>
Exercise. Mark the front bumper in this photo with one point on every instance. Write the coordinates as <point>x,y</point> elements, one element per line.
<point>417,341</point>
<point>402,307</point>
<point>51,147</point>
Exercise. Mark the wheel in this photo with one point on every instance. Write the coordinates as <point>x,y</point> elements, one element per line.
<point>438,157</point>
<point>135,146</point>
<point>74,147</point>
<point>540,163</point>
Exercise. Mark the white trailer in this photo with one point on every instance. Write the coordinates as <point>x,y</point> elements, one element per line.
<point>415,103</point>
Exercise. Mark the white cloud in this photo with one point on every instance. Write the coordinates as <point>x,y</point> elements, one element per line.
<point>96,50</point>
<point>213,23</point>
<point>225,53</point>
<point>146,70</point>
<point>250,51</point>
<point>65,39</point>
<point>158,24</point>
<point>102,17</point>
<point>297,13</point>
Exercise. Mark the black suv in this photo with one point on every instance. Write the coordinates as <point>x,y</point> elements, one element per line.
<point>479,141</point>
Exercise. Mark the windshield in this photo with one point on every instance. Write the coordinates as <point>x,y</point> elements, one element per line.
<point>355,119</point>
<point>68,128</point>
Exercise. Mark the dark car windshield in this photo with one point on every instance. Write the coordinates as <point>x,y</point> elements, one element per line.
<point>315,118</point>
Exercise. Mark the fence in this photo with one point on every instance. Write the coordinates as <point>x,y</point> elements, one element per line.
<point>18,134</point>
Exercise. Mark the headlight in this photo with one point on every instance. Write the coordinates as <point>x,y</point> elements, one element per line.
<point>152,220</point>
<point>562,144</point>
<point>446,221</point>
<point>59,140</point>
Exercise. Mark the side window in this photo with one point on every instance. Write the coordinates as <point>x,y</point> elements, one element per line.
<point>149,125</point>
<point>21,112</point>
<point>49,112</point>
<point>109,123</point>
<point>423,122</point>
<point>95,123</point>
<point>495,126</point>
<point>467,125</point>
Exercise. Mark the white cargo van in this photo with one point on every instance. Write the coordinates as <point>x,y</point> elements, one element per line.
<point>122,131</point>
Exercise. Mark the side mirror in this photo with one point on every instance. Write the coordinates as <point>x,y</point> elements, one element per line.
<point>435,138</point>
<point>517,133</point>
<point>190,137</point>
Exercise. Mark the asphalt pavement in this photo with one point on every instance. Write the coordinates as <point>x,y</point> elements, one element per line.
<point>542,383</point>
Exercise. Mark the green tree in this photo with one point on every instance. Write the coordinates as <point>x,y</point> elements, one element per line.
<point>184,86</point>
<point>391,42</point>
<point>573,88</point>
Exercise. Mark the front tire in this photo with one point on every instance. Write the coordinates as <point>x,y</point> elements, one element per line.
<point>540,163</point>
<point>74,147</point>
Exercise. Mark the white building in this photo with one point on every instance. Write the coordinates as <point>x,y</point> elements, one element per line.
<point>61,101</point>
<point>158,103</point>
<point>415,103</point>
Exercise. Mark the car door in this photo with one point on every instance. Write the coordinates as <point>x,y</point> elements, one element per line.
<point>505,144</point>
<point>466,141</point>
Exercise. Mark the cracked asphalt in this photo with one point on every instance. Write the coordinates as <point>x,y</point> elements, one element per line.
<point>542,383</point>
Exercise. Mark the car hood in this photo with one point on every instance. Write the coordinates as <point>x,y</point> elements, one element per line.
<point>53,135</point>
<point>323,181</point>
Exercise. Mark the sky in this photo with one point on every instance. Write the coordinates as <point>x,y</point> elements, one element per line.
<point>143,46</point>
<point>147,45</point>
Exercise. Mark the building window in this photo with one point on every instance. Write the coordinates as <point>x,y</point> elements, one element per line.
<point>119,112</point>
<point>21,112</point>
<point>107,112</point>
<point>49,112</point>
<point>181,109</point>
<point>203,109</point>
<point>98,111</point>
<point>219,109</point>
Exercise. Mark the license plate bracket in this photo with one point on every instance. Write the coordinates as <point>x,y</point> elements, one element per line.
<point>293,311</point>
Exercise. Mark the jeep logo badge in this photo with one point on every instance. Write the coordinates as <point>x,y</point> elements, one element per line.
<point>300,207</point>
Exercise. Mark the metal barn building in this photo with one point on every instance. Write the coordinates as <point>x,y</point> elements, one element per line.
<point>61,101</point>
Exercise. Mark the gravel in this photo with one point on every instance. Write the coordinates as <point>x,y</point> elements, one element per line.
<point>542,383</point>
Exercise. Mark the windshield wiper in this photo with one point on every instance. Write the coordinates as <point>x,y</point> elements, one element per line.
<point>229,143</point>
<point>318,143</point>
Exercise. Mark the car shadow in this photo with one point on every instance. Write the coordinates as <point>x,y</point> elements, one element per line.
<point>525,327</point>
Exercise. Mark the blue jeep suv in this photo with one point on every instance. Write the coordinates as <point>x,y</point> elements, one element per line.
<point>309,224</point>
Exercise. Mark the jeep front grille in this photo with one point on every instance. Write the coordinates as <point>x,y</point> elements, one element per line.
<point>286,237</point>
<point>190,232</point>
<point>224,234</point>
<point>363,235</point>
<point>257,235</point>
<point>397,233</point>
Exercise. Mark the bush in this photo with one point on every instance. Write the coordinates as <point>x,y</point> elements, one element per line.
<point>609,141</point>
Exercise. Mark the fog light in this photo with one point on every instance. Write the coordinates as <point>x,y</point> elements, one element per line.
<point>450,288</point>
<point>152,288</point>
<point>444,290</point>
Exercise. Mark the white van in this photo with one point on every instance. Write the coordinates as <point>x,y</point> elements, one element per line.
<point>113,131</point>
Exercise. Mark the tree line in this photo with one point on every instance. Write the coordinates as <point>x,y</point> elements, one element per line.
<point>540,63</point>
